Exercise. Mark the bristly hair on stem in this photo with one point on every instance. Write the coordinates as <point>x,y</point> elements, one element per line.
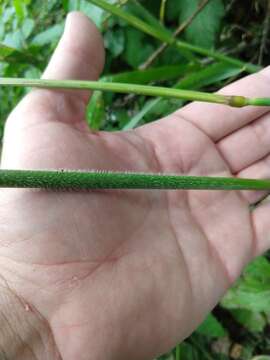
<point>83,180</point>
<point>232,100</point>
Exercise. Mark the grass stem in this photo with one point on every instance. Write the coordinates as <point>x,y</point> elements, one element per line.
<point>233,100</point>
<point>76,180</point>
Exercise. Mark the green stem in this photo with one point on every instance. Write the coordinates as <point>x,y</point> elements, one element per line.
<point>178,352</point>
<point>258,101</point>
<point>71,179</point>
<point>162,10</point>
<point>235,101</point>
<point>248,67</point>
<point>167,37</point>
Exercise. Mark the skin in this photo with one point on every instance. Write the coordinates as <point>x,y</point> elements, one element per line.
<point>127,274</point>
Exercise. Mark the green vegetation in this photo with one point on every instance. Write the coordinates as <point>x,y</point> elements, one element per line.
<point>189,45</point>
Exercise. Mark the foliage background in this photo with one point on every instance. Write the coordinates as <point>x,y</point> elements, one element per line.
<point>239,327</point>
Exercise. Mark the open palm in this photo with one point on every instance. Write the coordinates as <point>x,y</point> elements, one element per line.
<point>128,274</point>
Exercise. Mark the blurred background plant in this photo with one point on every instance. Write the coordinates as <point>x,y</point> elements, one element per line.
<point>239,327</point>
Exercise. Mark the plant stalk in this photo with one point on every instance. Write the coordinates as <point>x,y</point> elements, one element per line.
<point>235,101</point>
<point>167,37</point>
<point>82,180</point>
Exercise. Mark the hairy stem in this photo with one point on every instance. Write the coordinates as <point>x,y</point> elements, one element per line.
<point>71,179</point>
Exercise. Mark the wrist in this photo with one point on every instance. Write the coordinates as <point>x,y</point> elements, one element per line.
<point>24,333</point>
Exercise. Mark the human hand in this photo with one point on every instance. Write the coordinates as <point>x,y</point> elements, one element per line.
<point>125,274</point>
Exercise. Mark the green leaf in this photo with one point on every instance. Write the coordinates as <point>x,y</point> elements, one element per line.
<point>237,298</point>
<point>188,352</point>
<point>32,72</point>
<point>173,10</point>
<point>253,321</point>
<point>19,8</point>
<point>160,73</point>
<point>252,291</point>
<point>95,13</point>
<point>6,51</point>
<point>48,36</point>
<point>139,10</point>
<point>137,48</point>
<point>8,14</point>
<point>14,39</point>
<point>209,75</point>
<point>10,54</point>
<point>96,110</point>
<point>204,28</point>
<point>115,41</point>
<point>28,26</point>
<point>3,68</point>
<point>211,327</point>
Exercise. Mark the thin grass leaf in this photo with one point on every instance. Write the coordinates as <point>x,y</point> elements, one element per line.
<point>169,39</point>
<point>161,73</point>
<point>206,76</point>
<point>12,55</point>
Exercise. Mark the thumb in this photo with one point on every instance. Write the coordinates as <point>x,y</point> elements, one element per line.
<point>79,54</point>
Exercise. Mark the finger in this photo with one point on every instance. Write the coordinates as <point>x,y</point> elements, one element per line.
<point>217,120</point>
<point>247,145</point>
